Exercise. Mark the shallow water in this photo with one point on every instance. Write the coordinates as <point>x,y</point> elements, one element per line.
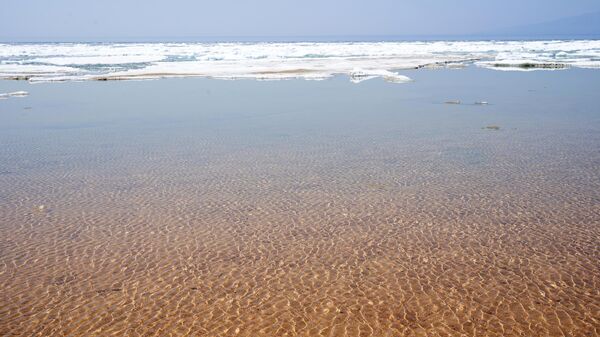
<point>221,208</point>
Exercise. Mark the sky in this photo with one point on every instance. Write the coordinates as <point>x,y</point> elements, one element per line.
<point>81,20</point>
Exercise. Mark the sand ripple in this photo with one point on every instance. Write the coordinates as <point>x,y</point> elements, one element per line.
<point>213,234</point>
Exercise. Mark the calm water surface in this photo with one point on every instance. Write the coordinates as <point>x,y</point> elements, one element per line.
<point>303,208</point>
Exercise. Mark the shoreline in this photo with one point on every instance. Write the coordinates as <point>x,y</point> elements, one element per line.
<point>264,208</point>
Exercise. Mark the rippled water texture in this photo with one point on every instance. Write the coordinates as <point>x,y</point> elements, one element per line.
<point>241,208</point>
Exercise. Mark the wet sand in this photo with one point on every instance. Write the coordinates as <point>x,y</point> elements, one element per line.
<point>241,208</point>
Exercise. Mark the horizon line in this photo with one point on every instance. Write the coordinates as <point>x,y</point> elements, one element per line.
<point>299,38</point>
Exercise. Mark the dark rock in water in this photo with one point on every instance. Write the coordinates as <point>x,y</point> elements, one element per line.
<point>531,65</point>
<point>491,127</point>
<point>18,78</point>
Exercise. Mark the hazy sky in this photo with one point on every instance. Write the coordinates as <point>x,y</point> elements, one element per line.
<point>122,19</point>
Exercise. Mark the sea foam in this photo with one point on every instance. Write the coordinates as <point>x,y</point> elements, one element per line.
<point>274,61</point>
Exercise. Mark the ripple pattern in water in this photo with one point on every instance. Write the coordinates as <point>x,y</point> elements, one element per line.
<point>372,233</point>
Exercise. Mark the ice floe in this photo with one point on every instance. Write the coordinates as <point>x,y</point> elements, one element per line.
<point>275,61</point>
<point>14,94</point>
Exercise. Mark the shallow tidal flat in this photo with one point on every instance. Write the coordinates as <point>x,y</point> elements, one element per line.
<point>241,208</point>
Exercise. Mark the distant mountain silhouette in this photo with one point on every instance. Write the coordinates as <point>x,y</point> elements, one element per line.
<point>581,26</point>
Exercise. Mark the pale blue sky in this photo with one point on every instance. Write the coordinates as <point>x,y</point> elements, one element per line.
<point>129,19</point>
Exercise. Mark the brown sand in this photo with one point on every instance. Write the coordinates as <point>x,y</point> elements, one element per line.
<point>282,242</point>
<point>233,230</point>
